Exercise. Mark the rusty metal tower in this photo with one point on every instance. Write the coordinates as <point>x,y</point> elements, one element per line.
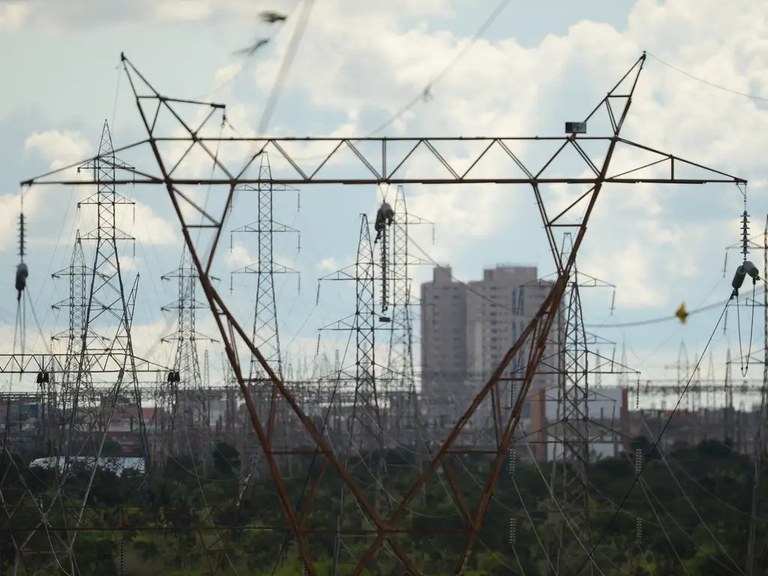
<point>548,164</point>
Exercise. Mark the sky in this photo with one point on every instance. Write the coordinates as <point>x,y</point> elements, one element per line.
<point>512,68</point>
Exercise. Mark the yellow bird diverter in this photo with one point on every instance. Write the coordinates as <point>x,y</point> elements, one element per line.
<point>682,313</point>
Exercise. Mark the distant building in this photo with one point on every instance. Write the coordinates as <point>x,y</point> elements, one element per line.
<point>466,329</point>
<point>604,433</point>
<point>443,336</point>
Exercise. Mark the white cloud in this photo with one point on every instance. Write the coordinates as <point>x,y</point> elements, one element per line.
<point>183,9</point>
<point>13,15</point>
<point>238,257</point>
<point>147,338</point>
<point>149,228</point>
<point>137,220</point>
<point>463,214</point>
<point>129,263</point>
<point>59,148</point>
<point>329,264</point>
<point>226,74</point>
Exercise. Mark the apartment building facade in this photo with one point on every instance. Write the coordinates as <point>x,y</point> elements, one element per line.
<point>467,328</point>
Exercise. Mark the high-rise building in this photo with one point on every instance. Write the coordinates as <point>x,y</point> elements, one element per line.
<point>443,331</point>
<point>467,328</point>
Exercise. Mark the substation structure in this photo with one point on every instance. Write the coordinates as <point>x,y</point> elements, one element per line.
<point>382,514</point>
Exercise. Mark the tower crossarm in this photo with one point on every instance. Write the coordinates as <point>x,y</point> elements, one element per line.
<point>422,160</point>
<point>106,362</point>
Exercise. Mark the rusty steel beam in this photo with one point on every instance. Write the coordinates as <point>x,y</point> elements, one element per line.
<point>398,513</point>
<point>370,161</point>
<point>549,316</point>
<point>541,341</point>
<point>230,330</point>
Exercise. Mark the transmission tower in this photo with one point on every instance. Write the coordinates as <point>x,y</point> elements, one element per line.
<point>375,161</point>
<point>403,395</point>
<point>361,407</point>
<point>76,304</point>
<point>188,420</point>
<point>265,326</point>
<point>364,415</point>
<point>265,329</point>
<point>108,318</point>
<point>366,412</point>
<point>98,341</point>
<point>574,399</point>
<point>109,307</point>
<point>579,367</point>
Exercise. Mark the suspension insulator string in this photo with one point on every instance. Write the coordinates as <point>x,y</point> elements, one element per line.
<point>746,268</point>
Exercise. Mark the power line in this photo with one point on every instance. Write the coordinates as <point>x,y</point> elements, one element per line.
<point>707,82</point>
<point>685,531</point>
<point>663,528</point>
<point>282,73</point>
<point>655,444</point>
<point>426,94</point>
<point>690,503</point>
<point>660,319</point>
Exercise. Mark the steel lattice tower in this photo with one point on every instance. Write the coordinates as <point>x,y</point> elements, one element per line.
<point>365,414</point>
<point>573,400</point>
<point>578,369</point>
<point>265,328</point>
<point>363,436</point>
<point>76,304</point>
<point>365,410</point>
<point>109,309</point>
<point>100,317</point>
<point>403,396</point>
<point>360,403</point>
<point>98,342</point>
<point>188,415</point>
<point>186,419</point>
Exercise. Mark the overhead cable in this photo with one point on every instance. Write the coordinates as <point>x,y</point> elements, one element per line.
<point>655,446</point>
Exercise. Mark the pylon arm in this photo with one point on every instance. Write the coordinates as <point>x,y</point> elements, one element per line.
<point>100,362</point>
<point>424,161</point>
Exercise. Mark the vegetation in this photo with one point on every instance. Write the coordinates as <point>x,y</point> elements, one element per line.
<point>689,513</point>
